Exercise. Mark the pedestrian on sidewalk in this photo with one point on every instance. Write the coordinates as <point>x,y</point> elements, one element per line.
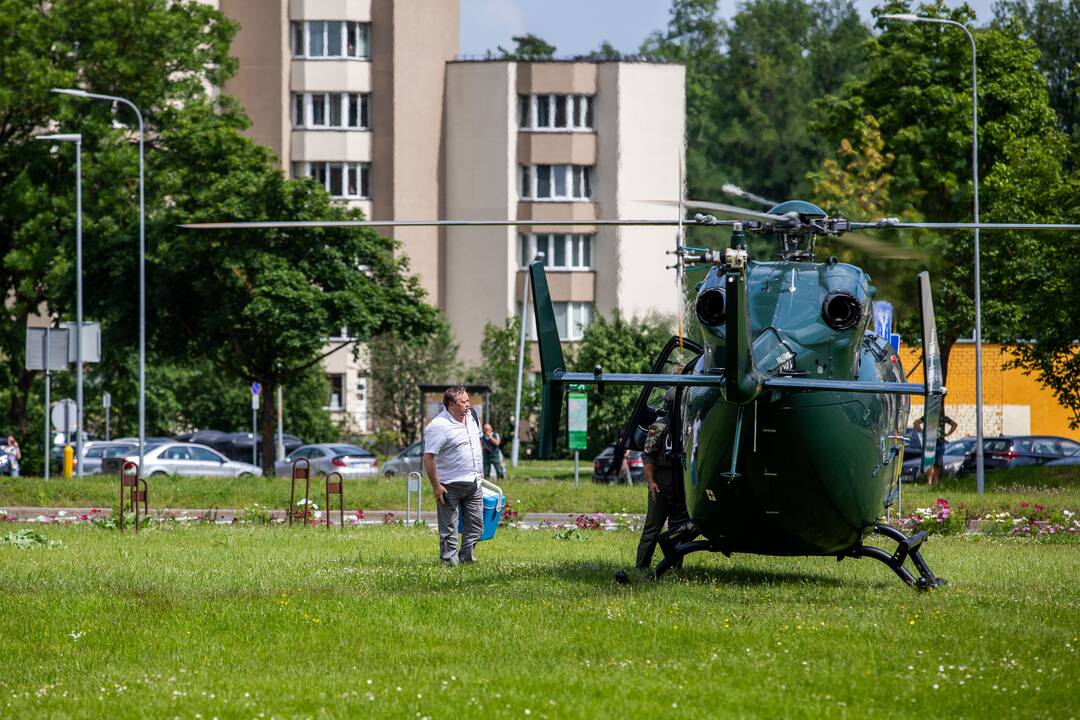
<point>14,453</point>
<point>453,462</point>
<point>492,452</point>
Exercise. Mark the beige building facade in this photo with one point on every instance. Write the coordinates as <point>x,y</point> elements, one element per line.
<point>369,98</point>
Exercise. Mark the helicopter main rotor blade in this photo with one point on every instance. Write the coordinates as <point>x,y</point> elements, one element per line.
<point>879,248</point>
<point>733,210</point>
<point>300,224</point>
<point>893,224</point>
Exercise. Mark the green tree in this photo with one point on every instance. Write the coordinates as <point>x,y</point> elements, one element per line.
<point>918,86</point>
<point>399,363</point>
<point>618,345</point>
<point>160,54</point>
<point>750,86</point>
<point>528,47</point>
<point>1054,27</point>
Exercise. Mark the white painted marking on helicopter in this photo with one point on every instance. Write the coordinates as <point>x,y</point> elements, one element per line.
<point>772,512</point>
<point>793,276</point>
<point>769,474</point>
<point>709,494</point>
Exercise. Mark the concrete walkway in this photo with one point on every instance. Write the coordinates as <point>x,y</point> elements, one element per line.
<point>226,516</point>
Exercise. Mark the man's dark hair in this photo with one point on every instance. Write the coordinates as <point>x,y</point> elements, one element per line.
<point>452,392</point>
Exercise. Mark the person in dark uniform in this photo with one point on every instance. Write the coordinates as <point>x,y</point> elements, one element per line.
<point>665,503</point>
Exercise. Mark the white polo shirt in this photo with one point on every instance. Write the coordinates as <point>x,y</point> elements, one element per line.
<point>456,447</point>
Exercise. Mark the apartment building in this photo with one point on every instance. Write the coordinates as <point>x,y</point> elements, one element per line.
<point>560,141</point>
<point>369,98</point>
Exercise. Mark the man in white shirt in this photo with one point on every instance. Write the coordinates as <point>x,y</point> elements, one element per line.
<point>453,460</point>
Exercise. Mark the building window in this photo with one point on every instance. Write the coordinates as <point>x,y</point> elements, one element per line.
<point>571,319</point>
<point>555,182</point>
<point>563,251</point>
<point>343,180</point>
<point>351,111</point>
<point>337,391</point>
<point>555,112</point>
<point>330,38</point>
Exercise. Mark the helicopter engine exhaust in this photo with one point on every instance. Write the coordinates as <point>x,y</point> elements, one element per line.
<point>712,307</point>
<point>841,310</point>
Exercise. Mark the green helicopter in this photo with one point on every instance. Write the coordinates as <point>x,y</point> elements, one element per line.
<point>788,423</point>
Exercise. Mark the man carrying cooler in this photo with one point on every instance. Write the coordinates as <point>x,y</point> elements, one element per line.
<point>453,459</point>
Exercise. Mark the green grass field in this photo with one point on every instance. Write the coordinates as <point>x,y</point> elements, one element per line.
<point>533,487</point>
<point>210,621</point>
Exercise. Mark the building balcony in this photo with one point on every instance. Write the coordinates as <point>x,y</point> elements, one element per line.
<point>330,75</point>
<point>311,145</point>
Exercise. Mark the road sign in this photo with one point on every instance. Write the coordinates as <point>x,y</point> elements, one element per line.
<point>255,402</point>
<point>65,416</point>
<point>577,411</point>
<point>106,400</point>
<point>56,352</point>
<point>256,388</point>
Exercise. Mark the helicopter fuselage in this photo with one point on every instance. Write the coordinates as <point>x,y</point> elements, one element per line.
<point>794,473</point>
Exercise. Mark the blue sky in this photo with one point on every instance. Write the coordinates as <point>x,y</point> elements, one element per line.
<point>578,26</point>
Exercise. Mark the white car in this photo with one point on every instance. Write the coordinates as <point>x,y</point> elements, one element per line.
<point>191,459</point>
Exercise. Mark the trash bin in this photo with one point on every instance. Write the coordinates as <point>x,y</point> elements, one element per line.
<point>494,502</point>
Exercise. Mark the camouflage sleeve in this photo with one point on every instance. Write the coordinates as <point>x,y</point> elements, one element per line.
<point>654,442</point>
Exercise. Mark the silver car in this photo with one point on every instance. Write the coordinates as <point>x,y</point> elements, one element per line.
<point>95,452</point>
<point>326,458</point>
<point>411,459</point>
<point>178,458</point>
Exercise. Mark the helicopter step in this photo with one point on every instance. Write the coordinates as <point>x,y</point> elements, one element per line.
<point>907,547</point>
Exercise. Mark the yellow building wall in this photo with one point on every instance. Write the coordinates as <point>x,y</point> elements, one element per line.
<point>1013,403</point>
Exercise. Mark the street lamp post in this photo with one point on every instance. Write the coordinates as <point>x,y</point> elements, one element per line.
<point>77,139</point>
<point>142,259</point>
<point>515,447</point>
<point>908,17</point>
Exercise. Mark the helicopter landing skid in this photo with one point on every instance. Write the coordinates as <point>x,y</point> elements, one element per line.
<point>907,547</point>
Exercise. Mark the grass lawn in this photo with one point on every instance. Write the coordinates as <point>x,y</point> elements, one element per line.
<point>537,486</point>
<point>211,621</point>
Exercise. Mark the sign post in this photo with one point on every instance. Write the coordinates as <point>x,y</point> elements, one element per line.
<point>106,402</point>
<point>256,388</point>
<point>577,412</point>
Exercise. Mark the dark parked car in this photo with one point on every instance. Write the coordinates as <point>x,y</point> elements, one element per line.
<point>1073,459</point>
<point>602,467</point>
<point>1000,453</point>
<point>955,454</point>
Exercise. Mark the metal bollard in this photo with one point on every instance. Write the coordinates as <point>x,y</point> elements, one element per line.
<point>300,473</point>
<point>129,478</point>
<point>335,487</point>
<point>415,483</point>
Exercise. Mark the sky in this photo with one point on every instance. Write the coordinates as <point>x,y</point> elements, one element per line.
<point>576,27</point>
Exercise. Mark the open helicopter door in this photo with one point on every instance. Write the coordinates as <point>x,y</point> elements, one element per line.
<point>932,377</point>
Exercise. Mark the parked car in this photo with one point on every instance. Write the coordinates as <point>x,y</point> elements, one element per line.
<point>602,466</point>
<point>191,459</point>
<point>111,464</point>
<point>95,453</point>
<point>955,454</point>
<point>1073,459</point>
<point>1000,453</point>
<point>326,458</point>
<point>411,459</point>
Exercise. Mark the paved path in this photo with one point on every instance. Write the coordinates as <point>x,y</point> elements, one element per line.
<point>226,515</point>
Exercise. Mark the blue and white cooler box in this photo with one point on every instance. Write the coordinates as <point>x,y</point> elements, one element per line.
<point>494,502</point>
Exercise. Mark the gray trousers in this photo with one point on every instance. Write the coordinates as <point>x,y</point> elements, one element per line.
<point>460,497</point>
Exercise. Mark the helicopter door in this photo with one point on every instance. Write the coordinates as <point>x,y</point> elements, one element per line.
<point>644,413</point>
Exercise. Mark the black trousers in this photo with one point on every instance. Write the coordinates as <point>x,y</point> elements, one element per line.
<point>665,507</point>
